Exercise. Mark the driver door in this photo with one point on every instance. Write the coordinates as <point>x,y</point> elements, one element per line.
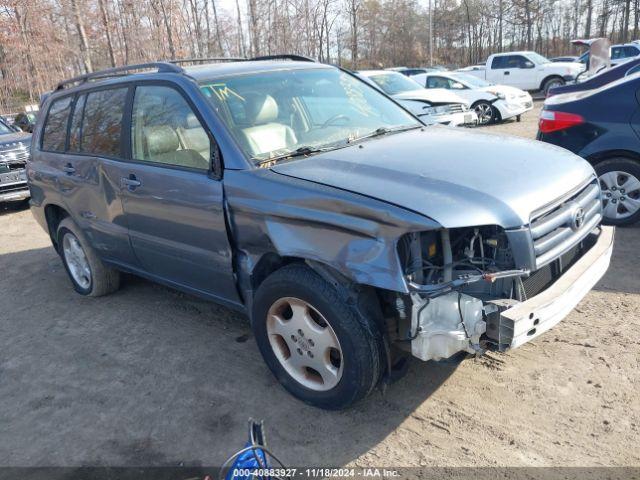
<point>173,203</point>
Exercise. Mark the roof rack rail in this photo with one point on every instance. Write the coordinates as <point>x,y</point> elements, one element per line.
<point>161,67</point>
<point>285,56</point>
<point>211,59</point>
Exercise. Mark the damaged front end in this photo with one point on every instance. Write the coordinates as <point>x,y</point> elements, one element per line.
<point>480,288</point>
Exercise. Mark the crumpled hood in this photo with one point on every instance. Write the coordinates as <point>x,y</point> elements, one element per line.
<point>455,178</point>
<point>431,95</point>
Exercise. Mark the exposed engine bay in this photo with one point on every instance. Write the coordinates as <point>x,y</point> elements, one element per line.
<point>460,282</point>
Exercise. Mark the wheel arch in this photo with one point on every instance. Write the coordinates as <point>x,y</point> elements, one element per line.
<point>600,157</point>
<point>54,214</point>
<point>549,77</point>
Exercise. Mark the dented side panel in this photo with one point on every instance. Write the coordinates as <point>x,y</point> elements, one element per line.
<point>354,234</point>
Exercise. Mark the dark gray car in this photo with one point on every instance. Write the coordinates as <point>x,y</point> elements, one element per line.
<point>14,153</point>
<point>351,234</point>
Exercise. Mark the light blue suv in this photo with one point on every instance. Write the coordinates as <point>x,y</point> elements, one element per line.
<point>350,233</point>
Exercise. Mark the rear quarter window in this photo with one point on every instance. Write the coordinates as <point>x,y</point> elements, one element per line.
<point>102,122</point>
<point>54,134</point>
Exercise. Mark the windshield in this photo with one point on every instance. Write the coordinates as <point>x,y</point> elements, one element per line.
<point>470,80</point>
<point>394,83</point>
<point>4,129</point>
<point>274,114</point>
<point>537,58</point>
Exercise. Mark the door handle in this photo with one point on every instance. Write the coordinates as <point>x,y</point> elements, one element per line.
<point>131,182</point>
<point>68,169</point>
<point>506,73</point>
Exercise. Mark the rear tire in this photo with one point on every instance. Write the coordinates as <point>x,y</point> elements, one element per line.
<point>346,342</point>
<point>620,182</point>
<point>89,276</point>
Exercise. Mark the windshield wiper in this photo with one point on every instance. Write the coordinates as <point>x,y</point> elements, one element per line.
<point>298,152</point>
<point>383,131</point>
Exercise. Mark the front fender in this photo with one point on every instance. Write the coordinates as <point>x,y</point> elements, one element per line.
<point>353,234</point>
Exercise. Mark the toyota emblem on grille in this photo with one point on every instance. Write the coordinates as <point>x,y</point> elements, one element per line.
<point>577,219</point>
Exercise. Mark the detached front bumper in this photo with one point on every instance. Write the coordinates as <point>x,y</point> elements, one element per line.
<point>458,119</point>
<point>527,320</point>
<point>453,321</point>
<point>514,107</point>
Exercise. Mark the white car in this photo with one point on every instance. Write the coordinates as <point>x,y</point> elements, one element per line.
<point>432,106</point>
<point>527,70</point>
<point>492,103</point>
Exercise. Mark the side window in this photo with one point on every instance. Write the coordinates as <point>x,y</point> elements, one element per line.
<point>631,52</point>
<point>499,63</point>
<point>616,53</point>
<point>54,135</point>
<point>164,129</point>
<point>438,82</point>
<point>102,122</point>
<point>516,61</point>
<point>76,122</point>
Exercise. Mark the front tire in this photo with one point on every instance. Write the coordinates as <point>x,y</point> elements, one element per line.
<point>620,183</point>
<point>485,111</point>
<point>317,344</point>
<point>89,276</point>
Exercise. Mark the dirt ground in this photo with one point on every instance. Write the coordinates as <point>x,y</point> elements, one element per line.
<point>150,376</point>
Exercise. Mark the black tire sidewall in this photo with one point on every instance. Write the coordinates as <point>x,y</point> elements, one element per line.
<point>621,164</point>
<point>356,342</point>
<point>62,231</point>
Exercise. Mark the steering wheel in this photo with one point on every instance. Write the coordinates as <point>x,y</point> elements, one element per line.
<point>333,119</point>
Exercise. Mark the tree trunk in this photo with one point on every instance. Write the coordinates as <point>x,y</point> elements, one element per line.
<point>217,24</point>
<point>167,25</point>
<point>107,29</point>
<point>82,36</point>
<point>587,28</point>
<point>241,50</point>
<point>254,31</point>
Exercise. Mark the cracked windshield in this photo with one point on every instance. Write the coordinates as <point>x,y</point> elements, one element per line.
<point>281,114</point>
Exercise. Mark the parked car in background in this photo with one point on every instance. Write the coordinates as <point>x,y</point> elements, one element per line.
<point>26,121</point>
<point>603,126</point>
<point>407,71</point>
<point>492,103</point>
<point>621,70</point>
<point>527,71</point>
<point>564,59</point>
<point>412,71</point>
<point>14,153</point>
<point>618,53</point>
<point>432,106</point>
<point>293,192</point>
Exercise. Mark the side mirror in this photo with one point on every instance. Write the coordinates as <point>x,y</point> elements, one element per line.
<point>529,64</point>
<point>457,86</point>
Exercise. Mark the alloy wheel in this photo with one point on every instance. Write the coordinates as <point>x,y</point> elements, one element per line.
<point>305,344</point>
<point>620,194</point>
<point>76,261</point>
<point>484,112</point>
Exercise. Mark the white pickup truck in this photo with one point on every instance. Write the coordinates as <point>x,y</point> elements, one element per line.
<point>527,71</point>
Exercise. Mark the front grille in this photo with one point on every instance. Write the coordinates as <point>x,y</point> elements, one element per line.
<point>455,108</point>
<point>562,225</point>
<point>542,278</point>
<point>15,157</point>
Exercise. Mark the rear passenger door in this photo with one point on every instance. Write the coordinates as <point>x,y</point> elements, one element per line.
<point>173,203</point>
<point>77,143</point>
